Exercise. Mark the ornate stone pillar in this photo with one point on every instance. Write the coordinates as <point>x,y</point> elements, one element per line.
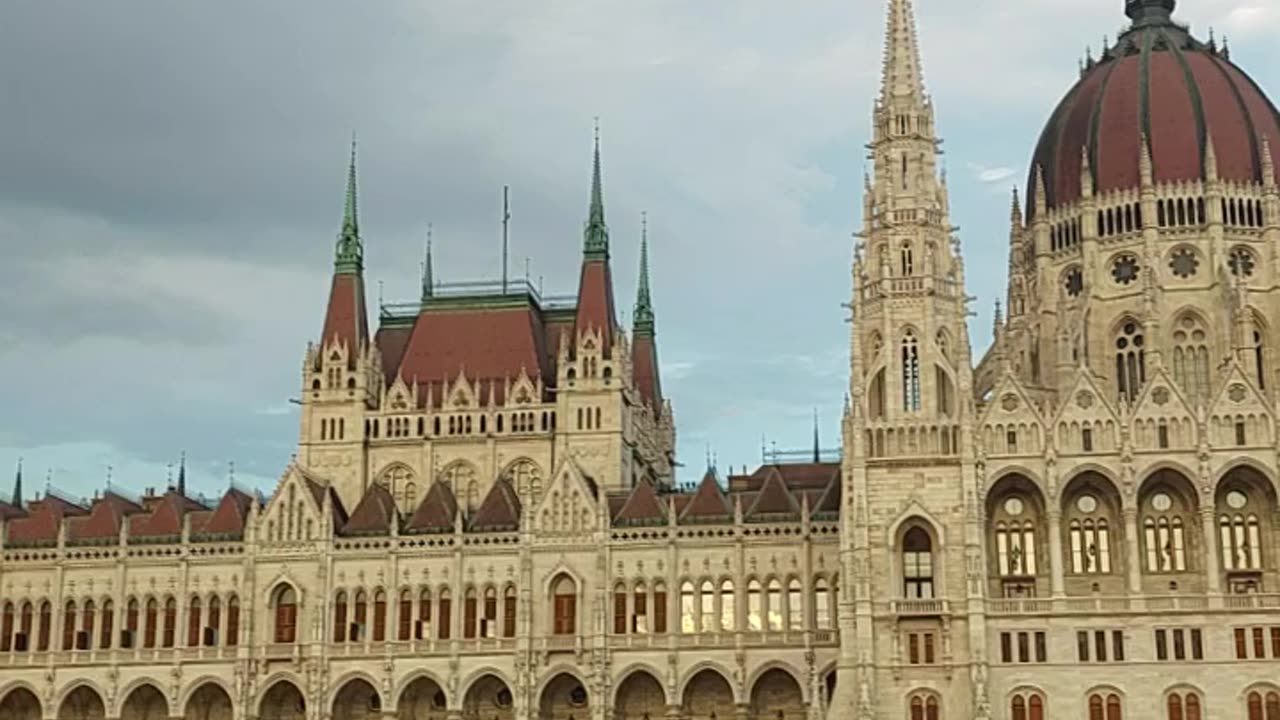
<point>1212,570</point>
<point>1056,581</point>
<point>1133,556</point>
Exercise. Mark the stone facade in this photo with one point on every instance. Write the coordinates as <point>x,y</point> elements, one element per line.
<point>481,520</point>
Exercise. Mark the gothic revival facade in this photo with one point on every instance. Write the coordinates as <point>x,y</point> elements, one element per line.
<point>481,520</point>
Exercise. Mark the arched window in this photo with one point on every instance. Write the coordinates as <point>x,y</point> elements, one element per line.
<point>659,607</point>
<point>566,606</point>
<point>379,616</point>
<point>26,623</point>
<point>470,613</point>
<point>1104,707</point>
<point>46,626</point>
<point>104,632</point>
<point>285,603</point>
<point>707,607</point>
<point>924,707</point>
<point>1184,706</point>
<point>1264,707</point>
<point>6,627</point>
<point>233,621</point>
<point>509,612</point>
<point>728,618</point>
<point>193,622</point>
<point>1090,536</point>
<point>86,626</point>
<point>153,617</point>
<point>1191,357</point>
<point>1239,529</point>
<point>404,616</point>
<point>773,605</point>
<point>1026,706</point>
<point>215,619</point>
<point>688,608</point>
<point>1131,369</point>
<point>821,604</point>
<point>917,564</point>
<point>910,373</point>
<point>131,624</point>
<point>755,609</point>
<point>489,613</point>
<point>906,255</point>
<point>340,617</point>
<point>170,622</point>
<point>795,605</point>
<point>69,626</point>
<point>1015,536</point>
<point>1164,532</point>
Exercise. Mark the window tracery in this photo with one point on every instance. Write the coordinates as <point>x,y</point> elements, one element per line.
<point>1166,513</point>
<point>910,373</point>
<point>917,564</point>
<point>1131,370</point>
<point>1015,536</point>
<point>1183,706</point>
<point>1090,536</point>
<point>1026,706</point>
<point>1191,357</point>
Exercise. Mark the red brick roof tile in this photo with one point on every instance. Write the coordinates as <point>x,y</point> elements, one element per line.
<point>642,507</point>
<point>500,510</point>
<point>436,513</point>
<point>644,369</point>
<point>227,519</point>
<point>345,320</point>
<point>374,514</point>
<point>595,303</point>
<point>773,502</point>
<point>708,503</point>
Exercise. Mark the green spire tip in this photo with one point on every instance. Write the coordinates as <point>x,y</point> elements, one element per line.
<point>644,303</point>
<point>596,234</point>
<point>349,255</point>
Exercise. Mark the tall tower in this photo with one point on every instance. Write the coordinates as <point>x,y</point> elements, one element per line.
<point>910,520</point>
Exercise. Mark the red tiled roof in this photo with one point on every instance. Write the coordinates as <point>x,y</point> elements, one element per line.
<point>642,507</point>
<point>708,502</point>
<point>345,319</point>
<point>165,518</point>
<point>9,511</point>
<point>796,475</point>
<point>227,519</point>
<point>391,343</point>
<point>484,344</point>
<point>499,511</point>
<point>773,501</point>
<point>44,517</point>
<point>595,303</point>
<point>829,502</point>
<point>104,520</point>
<point>374,513</point>
<point>644,368</point>
<point>437,511</point>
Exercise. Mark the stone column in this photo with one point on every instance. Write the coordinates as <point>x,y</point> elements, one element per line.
<point>1212,569</point>
<point>1057,580</point>
<point>1133,555</point>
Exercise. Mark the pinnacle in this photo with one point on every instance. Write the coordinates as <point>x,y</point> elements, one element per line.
<point>428,272</point>
<point>902,76</point>
<point>349,253</point>
<point>644,303</point>
<point>596,234</point>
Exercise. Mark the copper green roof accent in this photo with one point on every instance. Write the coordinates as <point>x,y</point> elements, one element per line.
<point>644,303</point>
<point>428,274</point>
<point>349,255</point>
<point>17,486</point>
<point>595,237</point>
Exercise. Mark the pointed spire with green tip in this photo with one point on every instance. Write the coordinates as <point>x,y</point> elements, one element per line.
<point>428,274</point>
<point>17,486</point>
<point>596,235</point>
<point>644,303</point>
<point>349,255</point>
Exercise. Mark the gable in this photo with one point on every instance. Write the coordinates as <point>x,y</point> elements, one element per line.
<point>569,503</point>
<point>1239,415</point>
<point>641,507</point>
<point>1086,417</point>
<point>1162,405</point>
<point>1011,423</point>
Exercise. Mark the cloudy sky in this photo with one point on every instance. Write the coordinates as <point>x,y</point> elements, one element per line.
<point>171,178</point>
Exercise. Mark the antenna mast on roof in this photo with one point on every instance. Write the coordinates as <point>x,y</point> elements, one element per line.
<point>506,220</point>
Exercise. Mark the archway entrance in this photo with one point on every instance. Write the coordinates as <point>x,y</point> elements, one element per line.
<point>708,695</point>
<point>145,703</point>
<point>82,704</point>
<point>209,702</point>
<point>488,698</point>
<point>357,700</point>
<point>640,697</point>
<point>776,696</point>
<point>283,702</point>
<point>422,699</point>
<point>20,704</point>
<point>564,698</point>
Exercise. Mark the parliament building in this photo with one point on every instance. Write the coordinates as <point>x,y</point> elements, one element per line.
<point>482,522</point>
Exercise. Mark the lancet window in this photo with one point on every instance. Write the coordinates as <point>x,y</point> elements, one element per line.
<point>910,373</point>
<point>1131,371</point>
<point>1191,357</point>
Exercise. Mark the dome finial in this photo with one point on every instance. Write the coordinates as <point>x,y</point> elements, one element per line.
<point>1149,10</point>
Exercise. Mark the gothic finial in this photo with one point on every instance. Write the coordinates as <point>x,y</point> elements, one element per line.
<point>997,319</point>
<point>1042,201</point>
<point>901,75</point>
<point>1226,48</point>
<point>1015,209</point>
<point>596,235</point>
<point>1145,169</point>
<point>644,303</point>
<point>17,486</point>
<point>182,474</point>
<point>349,255</point>
<point>817,448</point>
<point>428,273</point>
<point>1086,173</point>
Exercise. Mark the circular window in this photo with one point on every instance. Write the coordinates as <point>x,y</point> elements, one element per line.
<point>1073,282</point>
<point>1125,269</point>
<point>1013,506</point>
<point>1087,503</point>
<point>1184,262</point>
<point>1236,500</point>
<point>1161,502</point>
<point>1241,262</point>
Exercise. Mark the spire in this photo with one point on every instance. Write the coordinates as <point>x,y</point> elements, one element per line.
<point>182,474</point>
<point>17,486</point>
<point>902,77</point>
<point>644,304</point>
<point>349,256</point>
<point>596,235</point>
<point>428,273</point>
<point>1015,210</point>
<point>817,448</point>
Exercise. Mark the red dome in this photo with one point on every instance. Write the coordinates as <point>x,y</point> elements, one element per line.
<point>1160,82</point>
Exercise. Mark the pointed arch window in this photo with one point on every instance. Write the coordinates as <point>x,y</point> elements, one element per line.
<point>795,605</point>
<point>1026,706</point>
<point>340,617</point>
<point>153,616</point>
<point>566,607</point>
<point>773,605</point>
<point>1239,532</point>
<point>170,621</point>
<point>379,616</point>
<point>286,615</point>
<point>69,626</point>
<point>233,621</point>
<point>1264,706</point>
<point>1259,356</point>
<point>46,625</point>
<point>906,255</point>
<point>1183,706</point>
<point>404,616</point>
<point>707,607</point>
<point>1131,370</point>
<point>1104,707</point>
<point>688,608</point>
<point>26,620</point>
<point>509,612</point>
<point>214,621</point>
<point>87,624</point>
<point>1164,533</point>
<point>489,613</point>
<point>924,707</point>
<point>193,622</point>
<point>755,610</point>
<point>728,618</point>
<point>1191,357</point>
<point>821,604</point>
<point>917,564</point>
<point>6,628</point>
<point>910,373</point>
